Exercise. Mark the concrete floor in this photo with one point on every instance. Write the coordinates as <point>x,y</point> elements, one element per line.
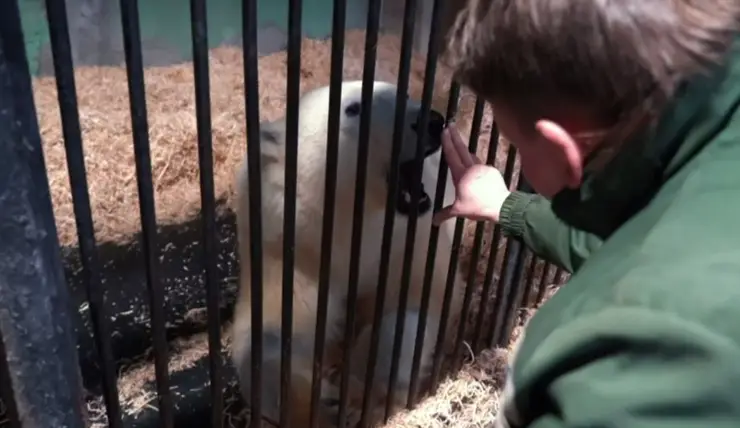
<point>95,28</point>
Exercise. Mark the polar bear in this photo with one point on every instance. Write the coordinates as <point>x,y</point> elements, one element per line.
<point>312,136</point>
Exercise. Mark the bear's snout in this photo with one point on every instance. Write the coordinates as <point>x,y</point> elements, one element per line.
<point>435,126</point>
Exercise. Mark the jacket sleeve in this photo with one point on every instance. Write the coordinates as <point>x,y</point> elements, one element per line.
<point>530,217</point>
<point>635,368</point>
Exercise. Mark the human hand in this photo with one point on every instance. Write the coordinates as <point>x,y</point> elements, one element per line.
<point>480,190</point>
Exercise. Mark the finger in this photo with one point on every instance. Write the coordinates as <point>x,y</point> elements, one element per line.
<point>459,144</point>
<point>452,157</point>
<point>472,159</point>
<point>468,159</point>
<point>444,214</point>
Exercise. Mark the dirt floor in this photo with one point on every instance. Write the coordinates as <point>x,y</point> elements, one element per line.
<point>468,400</point>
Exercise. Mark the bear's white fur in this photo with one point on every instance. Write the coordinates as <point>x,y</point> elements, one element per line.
<point>312,147</point>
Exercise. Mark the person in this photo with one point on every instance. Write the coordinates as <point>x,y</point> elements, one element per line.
<point>626,120</point>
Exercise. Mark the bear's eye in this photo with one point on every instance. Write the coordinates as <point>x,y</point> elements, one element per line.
<point>352,110</point>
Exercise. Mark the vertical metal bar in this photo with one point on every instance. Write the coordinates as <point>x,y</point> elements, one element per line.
<point>399,125</point>
<point>542,287</point>
<point>505,308</point>
<point>560,276</point>
<point>251,99</point>
<point>67,96</point>
<point>449,286</point>
<point>368,78</point>
<point>327,228</point>
<point>199,28</point>
<point>6,391</point>
<point>137,99</point>
<point>35,322</point>
<point>509,294</point>
<point>291,167</point>
<point>531,268</point>
<point>486,289</point>
<point>452,105</point>
<point>493,254</point>
<point>426,102</point>
<point>477,239</point>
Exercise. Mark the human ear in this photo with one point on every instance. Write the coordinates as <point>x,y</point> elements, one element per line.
<point>566,148</point>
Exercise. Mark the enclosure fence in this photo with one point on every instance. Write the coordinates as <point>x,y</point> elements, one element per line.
<point>42,383</point>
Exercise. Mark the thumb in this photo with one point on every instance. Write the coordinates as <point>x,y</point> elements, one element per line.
<point>445,214</point>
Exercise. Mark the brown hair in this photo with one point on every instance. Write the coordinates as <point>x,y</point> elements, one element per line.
<point>616,56</point>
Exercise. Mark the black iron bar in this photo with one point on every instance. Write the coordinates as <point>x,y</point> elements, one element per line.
<point>547,270</point>
<point>477,240</point>
<point>199,28</point>
<point>368,78</point>
<point>529,284</point>
<point>439,348</point>
<point>399,126</point>
<point>254,179</point>
<point>560,276</point>
<point>426,102</point>
<point>452,105</point>
<point>496,241</point>
<point>40,357</point>
<point>139,125</point>
<point>289,226</point>
<point>327,231</point>
<point>510,292</point>
<point>67,95</point>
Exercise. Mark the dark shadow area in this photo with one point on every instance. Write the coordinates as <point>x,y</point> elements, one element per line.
<point>123,274</point>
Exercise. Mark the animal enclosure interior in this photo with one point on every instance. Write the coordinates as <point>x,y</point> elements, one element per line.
<point>473,363</point>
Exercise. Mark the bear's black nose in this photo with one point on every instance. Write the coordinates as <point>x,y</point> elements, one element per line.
<point>435,128</point>
<point>436,123</point>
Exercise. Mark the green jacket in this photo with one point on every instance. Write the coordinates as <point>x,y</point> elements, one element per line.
<point>646,334</point>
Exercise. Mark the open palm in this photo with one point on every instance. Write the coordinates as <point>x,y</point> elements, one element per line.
<point>479,188</point>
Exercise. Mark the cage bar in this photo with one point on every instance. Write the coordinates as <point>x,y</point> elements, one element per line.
<point>35,323</point>
<point>327,233</point>
<point>139,125</point>
<point>67,96</point>
<point>560,276</point>
<point>496,241</point>
<point>399,125</point>
<point>368,77</point>
<point>529,284</point>
<point>199,28</point>
<point>254,179</point>
<point>427,93</point>
<point>547,271</point>
<point>452,105</point>
<point>289,226</point>
<point>516,289</point>
<point>492,255</point>
<point>477,240</point>
<point>510,291</point>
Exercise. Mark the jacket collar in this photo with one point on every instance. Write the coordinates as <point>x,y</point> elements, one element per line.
<point>700,110</point>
